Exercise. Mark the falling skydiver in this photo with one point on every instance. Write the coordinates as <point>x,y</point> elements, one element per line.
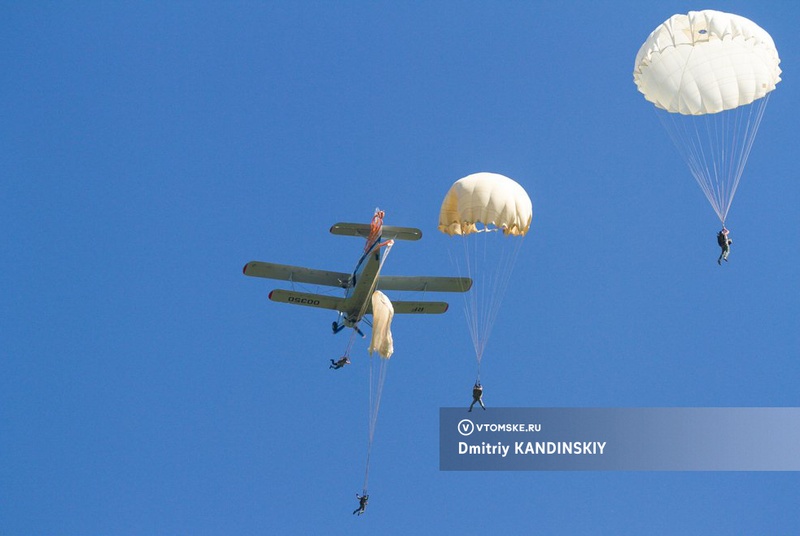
<point>339,364</point>
<point>362,503</point>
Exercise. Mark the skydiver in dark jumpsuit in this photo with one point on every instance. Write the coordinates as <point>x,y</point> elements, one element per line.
<point>477,395</point>
<point>362,503</point>
<point>339,364</point>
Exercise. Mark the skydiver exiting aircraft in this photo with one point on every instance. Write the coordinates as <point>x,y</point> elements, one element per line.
<point>362,503</point>
<point>339,364</point>
<point>724,242</point>
<point>477,395</point>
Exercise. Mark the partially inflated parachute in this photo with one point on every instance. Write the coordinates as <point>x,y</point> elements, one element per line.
<point>710,74</point>
<point>382,314</point>
<point>488,215</point>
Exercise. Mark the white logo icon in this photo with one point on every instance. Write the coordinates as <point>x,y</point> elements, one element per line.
<point>466,427</point>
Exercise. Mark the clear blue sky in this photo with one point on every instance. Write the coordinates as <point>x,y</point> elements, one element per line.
<point>150,149</point>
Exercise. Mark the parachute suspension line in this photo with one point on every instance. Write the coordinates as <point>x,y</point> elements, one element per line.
<point>472,298</point>
<point>475,297</point>
<point>684,134</point>
<point>471,307</point>
<point>490,259</point>
<point>350,343</point>
<point>755,115</point>
<point>500,282</point>
<point>716,148</point>
<point>376,381</point>
<point>468,297</point>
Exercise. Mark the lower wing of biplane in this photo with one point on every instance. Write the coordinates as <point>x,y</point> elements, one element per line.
<point>299,274</point>
<point>344,305</point>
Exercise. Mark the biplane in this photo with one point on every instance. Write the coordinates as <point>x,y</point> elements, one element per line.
<point>359,285</point>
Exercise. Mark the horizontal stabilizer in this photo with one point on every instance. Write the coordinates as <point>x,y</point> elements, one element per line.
<point>424,284</point>
<point>419,307</point>
<point>388,232</point>
<point>308,299</point>
<point>296,274</point>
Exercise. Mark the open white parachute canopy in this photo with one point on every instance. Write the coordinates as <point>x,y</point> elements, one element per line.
<point>709,75</point>
<point>706,62</point>
<point>485,253</point>
<point>487,198</point>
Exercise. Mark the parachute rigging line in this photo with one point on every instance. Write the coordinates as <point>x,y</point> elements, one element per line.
<point>375,383</point>
<point>375,393</point>
<point>716,148</point>
<point>489,262</point>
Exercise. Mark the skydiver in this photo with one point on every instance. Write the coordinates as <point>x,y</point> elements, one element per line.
<point>339,364</point>
<point>362,503</point>
<point>477,395</point>
<point>724,242</point>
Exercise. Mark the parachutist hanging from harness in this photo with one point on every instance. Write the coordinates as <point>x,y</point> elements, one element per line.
<point>488,215</point>
<point>477,395</point>
<point>362,503</point>
<point>339,364</point>
<point>724,242</point>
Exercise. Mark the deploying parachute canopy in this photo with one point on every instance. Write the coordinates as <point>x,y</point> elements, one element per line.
<point>489,214</point>
<point>382,314</point>
<point>709,74</point>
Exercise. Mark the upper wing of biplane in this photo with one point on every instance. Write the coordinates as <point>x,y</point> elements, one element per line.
<point>296,274</point>
<point>424,284</point>
<point>388,232</point>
